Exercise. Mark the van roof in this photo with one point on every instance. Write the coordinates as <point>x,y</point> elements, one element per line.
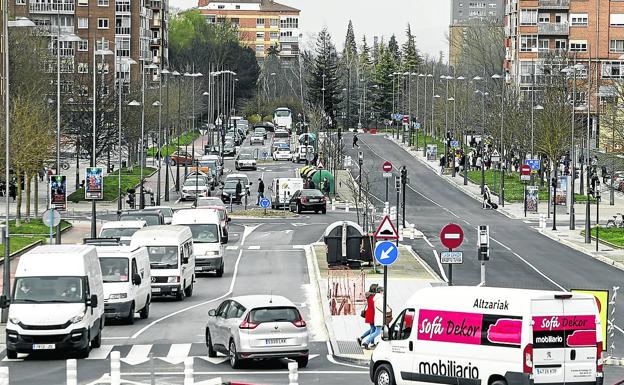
<point>119,251</point>
<point>189,216</point>
<point>236,176</point>
<point>161,235</point>
<point>124,224</point>
<point>55,260</point>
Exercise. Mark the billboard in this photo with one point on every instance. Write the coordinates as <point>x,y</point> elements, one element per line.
<point>532,198</point>
<point>602,300</point>
<point>58,192</point>
<point>432,151</point>
<point>94,183</point>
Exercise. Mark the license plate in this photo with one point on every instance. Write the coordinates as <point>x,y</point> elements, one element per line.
<point>44,346</point>
<point>315,200</point>
<point>276,341</point>
<point>547,371</point>
<point>156,289</point>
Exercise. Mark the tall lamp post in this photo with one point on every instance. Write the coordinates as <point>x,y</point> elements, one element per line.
<point>166,72</point>
<point>501,143</point>
<point>193,76</point>
<point>158,104</point>
<point>121,62</point>
<point>142,186</point>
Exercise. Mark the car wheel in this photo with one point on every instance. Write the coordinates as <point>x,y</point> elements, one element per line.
<point>130,317</point>
<point>97,341</point>
<point>235,362</point>
<point>302,362</point>
<point>146,309</point>
<point>189,290</point>
<point>220,272</point>
<point>11,354</point>
<point>173,162</point>
<point>180,295</point>
<point>383,375</point>
<point>211,351</point>
<point>499,382</point>
<point>84,352</point>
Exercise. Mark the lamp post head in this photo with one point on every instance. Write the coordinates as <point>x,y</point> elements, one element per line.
<point>156,104</point>
<point>496,76</point>
<point>134,103</point>
<point>206,93</point>
<point>175,73</point>
<point>477,78</point>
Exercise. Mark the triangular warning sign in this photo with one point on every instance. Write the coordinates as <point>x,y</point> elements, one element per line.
<point>386,230</point>
<point>320,165</point>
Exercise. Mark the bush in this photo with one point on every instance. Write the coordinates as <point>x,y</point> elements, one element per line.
<point>267,119</point>
<point>255,118</point>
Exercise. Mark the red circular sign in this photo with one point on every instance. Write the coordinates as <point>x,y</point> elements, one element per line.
<point>526,170</point>
<point>452,236</point>
<point>387,166</point>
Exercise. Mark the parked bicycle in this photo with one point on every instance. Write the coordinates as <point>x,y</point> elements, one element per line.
<point>617,221</point>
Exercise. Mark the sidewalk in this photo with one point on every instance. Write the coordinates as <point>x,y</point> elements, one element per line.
<point>563,234</point>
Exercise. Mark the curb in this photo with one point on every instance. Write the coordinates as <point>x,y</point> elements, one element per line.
<point>21,251</point>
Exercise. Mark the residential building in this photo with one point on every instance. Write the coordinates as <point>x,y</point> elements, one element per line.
<point>466,14</point>
<point>261,24</point>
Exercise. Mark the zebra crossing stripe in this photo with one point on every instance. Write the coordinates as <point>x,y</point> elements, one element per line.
<point>137,355</point>
<point>101,353</point>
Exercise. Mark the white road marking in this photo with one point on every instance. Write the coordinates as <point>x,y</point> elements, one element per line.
<point>101,353</point>
<point>428,242</point>
<point>213,360</point>
<point>179,350</point>
<point>330,358</point>
<point>138,354</point>
<point>248,230</point>
<point>442,272</point>
<point>231,247</point>
<point>253,248</point>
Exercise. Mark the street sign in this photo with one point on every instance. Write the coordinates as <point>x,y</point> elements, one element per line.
<point>534,164</point>
<point>265,155</point>
<point>265,203</point>
<point>309,156</point>
<point>387,175</point>
<point>386,230</point>
<point>320,165</point>
<point>386,253</point>
<point>452,236</point>
<point>387,166</point>
<point>51,218</point>
<point>417,126</point>
<point>495,157</point>
<point>406,119</point>
<point>525,172</point>
<point>454,143</point>
<point>452,257</point>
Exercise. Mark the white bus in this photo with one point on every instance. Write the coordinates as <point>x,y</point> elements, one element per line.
<point>282,117</point>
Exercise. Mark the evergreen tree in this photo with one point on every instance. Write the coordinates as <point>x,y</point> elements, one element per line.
<point>350,48</point>
<point>348,72</point>
<point>382,100</point>
<point>393,47</point>
<point>365,55</point>
<point>411,57</point>
<point>324,71</point>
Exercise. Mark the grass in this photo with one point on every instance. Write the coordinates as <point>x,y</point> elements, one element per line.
<point>614,236</point>
<point>18,243</point>
<point>514,188</point>
<point>185,139</point>
<point>259,213</point>
<point>129,179</point>
<point>430,140</point>
<point>34,227</point>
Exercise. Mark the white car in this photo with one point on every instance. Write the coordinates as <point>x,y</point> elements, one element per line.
<point>257,137</point>
<point>245,161</point>
<point>257,327</point>
<point>121,229</point>
<point>281,151</point>
<point>302,152</point>
<point>194,187</point>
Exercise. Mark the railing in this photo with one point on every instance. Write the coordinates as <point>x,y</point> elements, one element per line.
<point>553,28</point>
<point>123,30</point>
<point>289,39</point>
<point>157,22</point>
<point>554,4</point>
<point>155,41</point>
<point>155,4</point>
<point>62,7</point>
<point>552,52</point>
<point>122,7</point>
<point>54,30</point>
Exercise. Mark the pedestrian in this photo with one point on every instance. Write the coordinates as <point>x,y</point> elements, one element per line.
<point>604,173</point>
<point>239,191</point>
<point>369,312</point>
<point>260,190</point>
<point>13,190</point>
<point>378,321</point>
<point>355,141</point>
<point>442,164</point>
<point>326,188</point>
<point>311,184</point>
<point>41,173</point>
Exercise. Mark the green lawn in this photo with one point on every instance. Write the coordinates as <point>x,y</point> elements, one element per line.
<point>35,226</point>
<point>185,139</point>
<point>514,189</point>
<point>18,243</point>
<point>430,140</point>
<point>615,236</point>
<point>129,179</point>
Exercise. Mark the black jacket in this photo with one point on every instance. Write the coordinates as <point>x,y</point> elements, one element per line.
<point>261,187</point>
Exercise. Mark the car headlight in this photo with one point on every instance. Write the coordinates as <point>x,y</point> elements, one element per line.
<point>14,320</point>
<point>173,279</point>
<point>76,319</point>
<point>118,296</point>
<point>211,253</point>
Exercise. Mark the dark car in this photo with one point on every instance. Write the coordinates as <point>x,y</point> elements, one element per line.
<point>266,125</point>
<point>229,149</point>
<point>308,200</point>
<point>153,217</point>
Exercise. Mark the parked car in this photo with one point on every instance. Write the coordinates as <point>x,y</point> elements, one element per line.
<point>245,160</point>
<point>257,327</point>
<point>308,200</point>
<point>181,157</point>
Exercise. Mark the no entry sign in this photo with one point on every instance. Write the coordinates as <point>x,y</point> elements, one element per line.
<point>452,236</point>
<point>387,166</point>
<point>525,172</point>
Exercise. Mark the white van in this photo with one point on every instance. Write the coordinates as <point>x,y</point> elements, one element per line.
<point>127,280</point>
<point>121,229</point>
<point>172,261</point>
<point>491,336</point>
<point>57,301</point>
<point>207,238</point>
<point>282,189</point>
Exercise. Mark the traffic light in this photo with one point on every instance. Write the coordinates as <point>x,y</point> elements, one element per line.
<point>403,175</point>
<point>131,198</point>
<point>483,238</point>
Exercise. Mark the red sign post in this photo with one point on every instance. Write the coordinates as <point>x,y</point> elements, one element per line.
<point>387,166</point>
<point>451,237</point>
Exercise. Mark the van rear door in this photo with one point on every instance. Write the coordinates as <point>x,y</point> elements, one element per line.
<point>580,356</point>
<point>548,342</point>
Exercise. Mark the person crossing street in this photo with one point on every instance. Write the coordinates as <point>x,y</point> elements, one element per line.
<point>260,190</point>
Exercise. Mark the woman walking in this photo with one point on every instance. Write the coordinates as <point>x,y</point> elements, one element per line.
<point>369,342</point>
<point>369,312</point>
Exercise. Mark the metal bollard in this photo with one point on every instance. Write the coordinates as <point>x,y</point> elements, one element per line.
<point>542,221</point>
<point>293,373</point>
<point>188,371</point>
<point>115,374</point>
<point>333,206</point>
<point>347,207</point>
<point>4,375</point>
<point>72,372</point>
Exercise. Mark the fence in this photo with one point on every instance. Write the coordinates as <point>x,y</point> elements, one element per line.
<point>345,289</point>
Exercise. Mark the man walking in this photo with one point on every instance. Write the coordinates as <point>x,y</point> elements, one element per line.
<point>355,141</point>
<point>260,190</point>
<point>239,192</point>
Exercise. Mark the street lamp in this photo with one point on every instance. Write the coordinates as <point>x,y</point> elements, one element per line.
<point>120,61</point>
<point>141,187</point>
<point>158,104</point>
<point>166,72</point>
<point>464,134</point>
<point>501,144</point>
<point>193,76</point>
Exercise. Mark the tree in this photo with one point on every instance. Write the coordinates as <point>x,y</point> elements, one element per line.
<point>552,134</point>
<point>382,78</point>
<point>480,48</point>
<point>411,57</point>
<point>350,47</point>
<point>324,74</point>
<point>393,47</point>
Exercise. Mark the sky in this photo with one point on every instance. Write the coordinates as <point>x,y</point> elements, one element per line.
<point>429,20</point>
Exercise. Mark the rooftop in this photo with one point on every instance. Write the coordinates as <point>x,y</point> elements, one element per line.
<point>265,5</point>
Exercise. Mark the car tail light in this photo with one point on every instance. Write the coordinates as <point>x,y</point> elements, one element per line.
<point>300,323</point>
<point>248,325</point>
<point>527,359</point>
<point>304,199</point>
<point>599,360</point>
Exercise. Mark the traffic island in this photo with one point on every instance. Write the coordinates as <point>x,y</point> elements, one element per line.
<point>130,178</point>
<point>21,244</point>
<point>260,213</point>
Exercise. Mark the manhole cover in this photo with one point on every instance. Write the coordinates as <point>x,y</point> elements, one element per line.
<point>349,347</point>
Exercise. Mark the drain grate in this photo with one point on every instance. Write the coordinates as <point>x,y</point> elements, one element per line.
<point>349,347</point>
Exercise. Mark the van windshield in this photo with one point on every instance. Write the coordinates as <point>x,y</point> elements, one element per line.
<point>163,257</point>
<point>118,232</point>
<point>48,290</point>
<point>150,219</point>
<point>282,113</point>
<point>114,269</point>
<point>204,233</point>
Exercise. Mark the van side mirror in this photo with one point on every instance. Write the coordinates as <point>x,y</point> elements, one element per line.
<point>92,301</point>
<point>229,219</point>
<point>136,279</point>
<point>4,302</point>
<point>385,333</point>
<point>223,240</point>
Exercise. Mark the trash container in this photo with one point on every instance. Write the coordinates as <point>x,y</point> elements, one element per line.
<point>343,240</point>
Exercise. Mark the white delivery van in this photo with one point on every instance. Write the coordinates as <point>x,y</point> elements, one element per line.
<point>57,301</point>
<point>121,229</point>
<point>491,336</point>
<point>208,240</point>
<point>282,189</point>
<point>172,261</point>
<point>127,280</point>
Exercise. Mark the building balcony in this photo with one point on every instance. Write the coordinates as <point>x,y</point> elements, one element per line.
<point>289,39</point>
<point>156,59</point>
<point>552,53</point>
<point>54,30</point>
<point>557,29</point>
<point>55,7</point>
<point>554,4</point>
<point>155,41</point>
<point>123,30</point>
<point>155,4</point>
<point>156,23</point>
<point>122,8</point>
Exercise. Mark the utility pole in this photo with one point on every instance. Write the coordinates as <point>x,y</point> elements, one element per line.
<point>403,185</point>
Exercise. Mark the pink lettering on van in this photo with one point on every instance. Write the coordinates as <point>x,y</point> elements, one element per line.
<point>447,326</point>
<point>505,331</point>
<point>561,322</point>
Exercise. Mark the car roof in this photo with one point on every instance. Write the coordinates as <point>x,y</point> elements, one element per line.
<point>189,216</point>
<point>144,211</point>
<point>255,301</point>
<point>123,224</point>
<point>237,176</point>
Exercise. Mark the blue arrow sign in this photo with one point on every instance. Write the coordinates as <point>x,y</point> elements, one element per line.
<point>454,143</point>
<point>265,203</point>
<point>386,253</point>
<point>533,163</point>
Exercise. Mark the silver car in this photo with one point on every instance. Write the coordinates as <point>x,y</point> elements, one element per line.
<point>257,327</point>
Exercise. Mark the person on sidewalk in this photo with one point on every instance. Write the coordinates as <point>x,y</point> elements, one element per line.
<point>355,141</point>
<point>260,190</point>
<point>369,312</point>
<point>442,164</point>
<point>369,342</point>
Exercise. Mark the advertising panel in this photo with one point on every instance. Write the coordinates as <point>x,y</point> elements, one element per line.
<point>94,185</point>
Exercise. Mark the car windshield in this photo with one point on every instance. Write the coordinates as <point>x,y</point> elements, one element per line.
<point>274,314</point>
<point>281,134</point>
<point>210,202</point>
<point>163,257</point>
<point>48,290</point>
<point>312,193</point>
<point>246,157</point>
<point>204,233</point>
<point>195,182</point>
<point>118,232</point>
<point>150,219</point>
<point>282,113</point>
<point>230,185</point>
<point>259,131</point>
<point>114,269</point>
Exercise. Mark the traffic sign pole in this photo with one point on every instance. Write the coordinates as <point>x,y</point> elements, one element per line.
<point>450,277</point>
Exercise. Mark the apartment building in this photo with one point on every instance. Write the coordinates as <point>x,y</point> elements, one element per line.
<point>130,29</point>
<point>261,24</point>
<point>466,14</point>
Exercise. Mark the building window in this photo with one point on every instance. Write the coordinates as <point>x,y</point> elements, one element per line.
<point>578,19</point>
<point>220,6</point>
<point>289,22</point>
<point>259,35</point>
<point>561,44</point>
<point>274,35</point>
<point>103,23</point>
<point>101,66</point>
<point>260,48</point>
<point>613,69</point>
<point>543,45</point>
<point>102,3</point>
<point>83,23</point>
<point>528,43</point>
<point>83,68</point>
<point>101,45</point>
<point>122,46</point>
<point>260,23</point>
<point>235,21</point>
<point>66,86</point>
<point>543,18</point>
<point>617,19</point>
<point>83,45</point>
<point>211,19</point>
<point>286,33</point>
<point>578,45</point>
<point>274,22</point>
<point>20,2</point>
<point>83,3</point>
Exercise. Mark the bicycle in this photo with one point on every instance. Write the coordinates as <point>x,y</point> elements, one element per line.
<point>617,221</point>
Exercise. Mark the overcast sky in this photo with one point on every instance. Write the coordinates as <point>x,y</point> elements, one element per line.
<point>429,20</point>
